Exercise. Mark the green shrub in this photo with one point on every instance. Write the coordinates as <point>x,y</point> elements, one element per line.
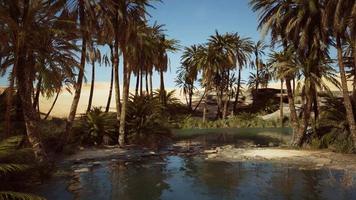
<point>244,120</point>
<point>15,162</point>
<point>146,123</point>
<point>91,128</point>
<point>51,133</point>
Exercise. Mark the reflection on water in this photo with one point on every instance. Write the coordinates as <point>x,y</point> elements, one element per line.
<point>195,178</point>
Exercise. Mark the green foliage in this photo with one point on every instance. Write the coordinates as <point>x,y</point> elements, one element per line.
<point>93,126</point>
<point>7,195</point>
<point>14,161</point>
<point>244,120</point>
<point>51,132</point>
<point>146,122</point>
<point>333,131</point>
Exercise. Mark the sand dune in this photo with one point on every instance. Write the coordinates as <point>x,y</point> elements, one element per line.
<point>101,92</point>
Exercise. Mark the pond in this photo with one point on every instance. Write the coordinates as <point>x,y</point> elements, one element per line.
<point>195,178</point>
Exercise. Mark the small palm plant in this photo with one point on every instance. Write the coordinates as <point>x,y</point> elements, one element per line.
<point>145,122</point>
<point>11,163</point>
<point>95,125</point>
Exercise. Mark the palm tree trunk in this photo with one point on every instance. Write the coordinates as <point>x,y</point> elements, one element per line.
<point>78,85</point>
<point>293,112</point>
<point>122,131</point>
<point>237,91</point>
<point>307,107</point>
<point>190,98</point>
<point>37,94</point>
<point>347,102</point>
<point>146,80</point>
<point>151,86</point>
<point>141,83</point>
<point>78,88</point>
<point>52,106</point>
<point>9,96</point>
<point>354,68</point>
<point>226,104</point>
<point>201,99</point>
<point>257,71</point>
<point>91,86</point>
<point>110,90</point>
<point>116,75</point>
<point>162,90</point>
<point>205,106</point>
<point>25,88</point>
<point>137,82</point>
<point>281,104</point>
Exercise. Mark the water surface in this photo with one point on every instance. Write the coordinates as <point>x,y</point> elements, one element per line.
<point>194,178</point>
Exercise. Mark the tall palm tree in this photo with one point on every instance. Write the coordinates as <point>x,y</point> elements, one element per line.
<point>340,14</point>
<point>94,56</point>
<point>297,23</point>
<point>85,14</point>
<point>128,15</point>
<point>258,51</point>
<point>243,48</point>
<point>36,23</point>
<point>188,72</point>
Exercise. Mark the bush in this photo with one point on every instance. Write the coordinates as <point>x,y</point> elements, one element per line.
<point>16,167</point>
<point>333,138</point>
<point>51,133</point>
<point>244,120</point>
<point>92,127</point>
<point>146,123</point>
<point>333,131</point>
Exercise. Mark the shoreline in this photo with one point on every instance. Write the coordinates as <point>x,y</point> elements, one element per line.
<point>303,159</point>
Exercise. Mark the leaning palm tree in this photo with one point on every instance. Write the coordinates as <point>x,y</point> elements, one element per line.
<point>84,12</point>
<point>340,14</point>
<point>47,21</point>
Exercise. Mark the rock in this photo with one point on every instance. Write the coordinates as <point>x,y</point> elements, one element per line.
<point>82,170</point>
<point>81,148</point>
<point>210,151</point>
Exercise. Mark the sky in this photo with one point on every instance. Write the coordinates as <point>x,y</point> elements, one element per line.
<point>192,22</point>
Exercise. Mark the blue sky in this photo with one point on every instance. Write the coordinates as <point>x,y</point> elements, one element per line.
<point>192,22</point>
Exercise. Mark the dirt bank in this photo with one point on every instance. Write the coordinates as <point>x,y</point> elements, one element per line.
<point>306,158</point>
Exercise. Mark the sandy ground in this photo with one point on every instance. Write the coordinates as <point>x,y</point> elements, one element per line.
<point>307,158</point>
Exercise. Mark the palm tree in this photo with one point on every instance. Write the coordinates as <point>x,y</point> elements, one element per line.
<point>243,48</point>
<point>339,16</point>
<point>187,73</point>
<point>222,58</point>
<point>298,23</point>
<point>258,51</point>
<point>36,30</point>
<point>85,14</point>
<point>128,15</point>
<point>94,56</point>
